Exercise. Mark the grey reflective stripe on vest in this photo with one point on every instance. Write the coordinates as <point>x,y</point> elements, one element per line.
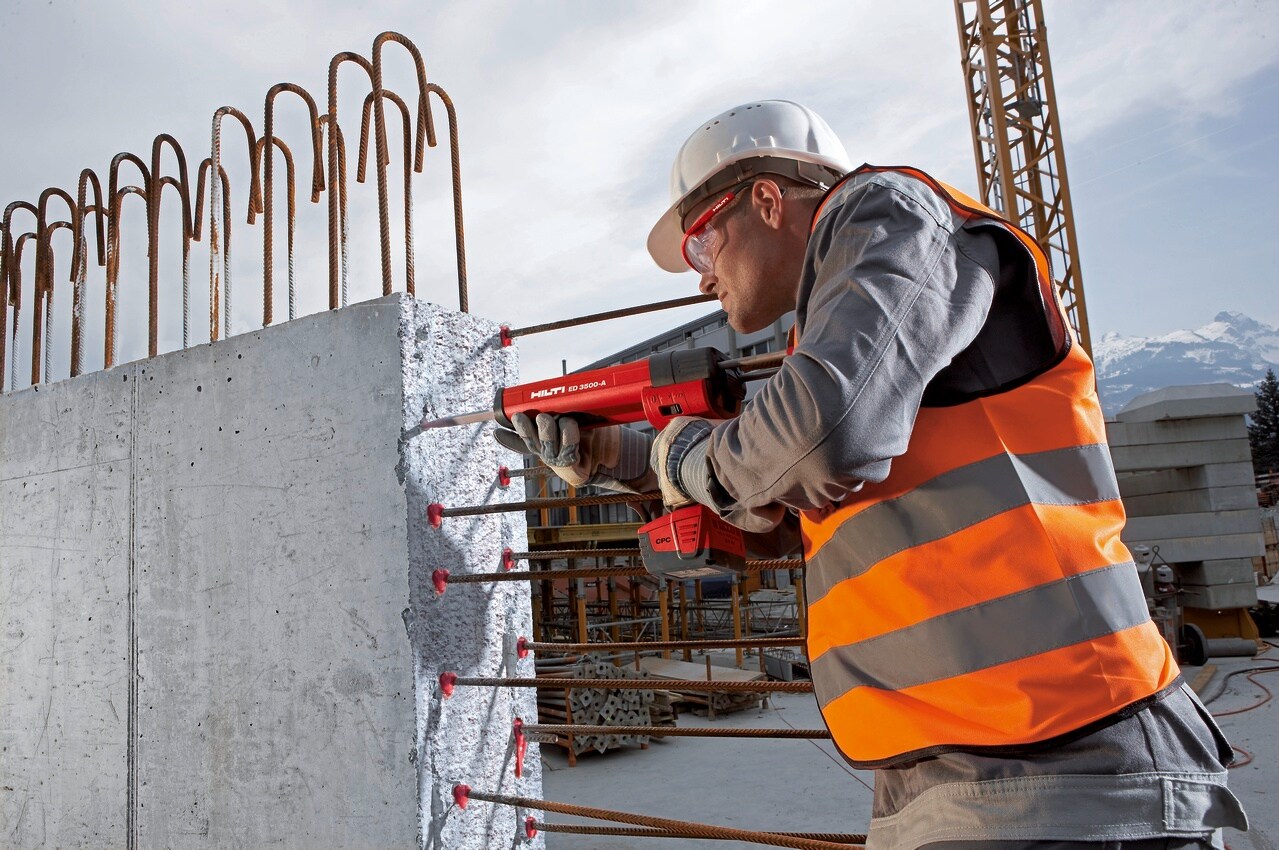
<point>1030,622</point>
<point>956,500</point>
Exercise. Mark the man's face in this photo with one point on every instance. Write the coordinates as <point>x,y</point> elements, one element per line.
<point>754,265</point>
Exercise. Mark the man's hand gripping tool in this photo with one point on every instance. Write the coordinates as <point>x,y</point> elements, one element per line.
<point>688,542</point>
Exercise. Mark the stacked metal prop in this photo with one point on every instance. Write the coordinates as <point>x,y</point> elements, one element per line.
<point>595,706</point>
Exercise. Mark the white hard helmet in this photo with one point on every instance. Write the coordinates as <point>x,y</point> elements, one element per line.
<point>761,137</point>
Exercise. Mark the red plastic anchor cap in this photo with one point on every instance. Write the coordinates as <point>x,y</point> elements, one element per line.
<point>434,514</point>
<point>521,647</point>
<point>530,827</point>
<point>461,795</point>
<point>504,477</point>
<point>504,334</point>
<point>440,578</point>
<point>508,558</point>
<point>521,745</point>
<point>448,681</point>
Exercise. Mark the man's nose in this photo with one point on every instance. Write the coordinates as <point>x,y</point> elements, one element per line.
<point>707,283</point>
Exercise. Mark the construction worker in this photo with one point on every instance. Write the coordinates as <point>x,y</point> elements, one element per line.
<point>977,632</point>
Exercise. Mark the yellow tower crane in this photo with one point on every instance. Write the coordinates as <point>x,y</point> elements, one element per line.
<point>1021,168</point>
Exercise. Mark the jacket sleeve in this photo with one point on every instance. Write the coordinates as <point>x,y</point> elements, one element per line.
<point>893,287</point>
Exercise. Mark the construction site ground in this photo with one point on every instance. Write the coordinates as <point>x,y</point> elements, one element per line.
<point>799,785</point>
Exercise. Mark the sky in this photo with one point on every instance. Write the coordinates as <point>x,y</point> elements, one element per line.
<point>570,114</point>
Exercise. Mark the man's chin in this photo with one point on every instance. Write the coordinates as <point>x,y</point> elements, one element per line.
<point>747,324</point>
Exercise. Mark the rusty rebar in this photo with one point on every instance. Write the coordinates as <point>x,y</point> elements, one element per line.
<point>557,554</point>
<point>114,194</point>
<point>337,187</point>
<point>407,122</point>
<point>425,134</point>
<point>266,144</point>
<point>600,572</point>
<point>15,275</point>
<point>673,731</point>
<point>109,344</point>
<point>88,178</point>
<point>268,224</point>
<point>610,314</point>
<point>206,166</point>
<point>44,296</point>
<point>663,645</point>
<point>562,682</point>
<point>455,164</point>
<point>255,201</point>
<point>337,295</point>
<point>8,292</point>
<point>183,186</point>
<point>840,838</point>
<point>698,830</point>
<point>540,504</point>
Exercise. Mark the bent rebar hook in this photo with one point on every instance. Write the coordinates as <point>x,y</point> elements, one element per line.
<point>425,132</point>
<point>455,161</point>
<point>408,174</point>
<point>183,186</point>
<point>7,295</point>
<point>337,253</point>
<point>44,295</point>
<point>266,147</point>
<point>214,291</point>
<point>268,224</point>
<point>109,346</point>
<point>255,201</point>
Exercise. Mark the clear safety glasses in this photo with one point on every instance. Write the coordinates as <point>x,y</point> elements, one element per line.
<point>702,239</point>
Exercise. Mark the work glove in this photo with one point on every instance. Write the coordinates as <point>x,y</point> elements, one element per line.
<point>611,457</point>
<point>679,460</point>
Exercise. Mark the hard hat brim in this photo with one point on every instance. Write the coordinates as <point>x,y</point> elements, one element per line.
<point>664,241</point>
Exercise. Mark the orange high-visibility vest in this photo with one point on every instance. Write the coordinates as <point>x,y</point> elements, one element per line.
<point>979,598</point>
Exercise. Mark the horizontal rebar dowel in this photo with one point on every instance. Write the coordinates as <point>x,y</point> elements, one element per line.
<point>670,731</point>
<point>528,471</point>
<point>549,504</point>
<point>642,646</point>
<point>610,314</point>
<point>755,362</point>
<point>643,832</point>
<point>560,683</point>
<point>603,572</point>
<point>561,554</point>
<point>699,830</point>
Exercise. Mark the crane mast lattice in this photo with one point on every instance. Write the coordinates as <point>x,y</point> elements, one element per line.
<point>1021,168</point>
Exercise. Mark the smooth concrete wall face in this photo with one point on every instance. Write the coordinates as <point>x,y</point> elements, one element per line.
<point>219,628</point>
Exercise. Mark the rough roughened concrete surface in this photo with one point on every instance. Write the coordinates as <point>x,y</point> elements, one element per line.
<point>452,364</point>
<point>256,495</point>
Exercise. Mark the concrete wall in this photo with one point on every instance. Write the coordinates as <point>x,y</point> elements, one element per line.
<point>218,627</point>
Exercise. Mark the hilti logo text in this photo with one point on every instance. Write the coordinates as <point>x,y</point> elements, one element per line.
<point>547,392</point>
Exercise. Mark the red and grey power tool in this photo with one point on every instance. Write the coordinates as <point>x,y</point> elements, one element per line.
<point>684,543</point>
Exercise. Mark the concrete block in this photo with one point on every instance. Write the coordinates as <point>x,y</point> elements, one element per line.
<point>1230,571</point>
<point>1176,455</point>
<point>1189,402</point>
<point>245,524</point>
<point>1208,476</point>
<point>1220,596</point>
<point>1214,547</point>
<point>1191,501</point>
<point>1176,431</point>
<point>65,473</point>
<point>1193,525</point>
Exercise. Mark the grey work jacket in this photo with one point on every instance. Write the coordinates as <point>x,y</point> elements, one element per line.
<point>894,290</point>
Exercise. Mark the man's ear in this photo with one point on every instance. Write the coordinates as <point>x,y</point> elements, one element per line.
<point>766,198</point>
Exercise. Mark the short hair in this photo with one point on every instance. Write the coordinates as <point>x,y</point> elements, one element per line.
<point>797,189</point>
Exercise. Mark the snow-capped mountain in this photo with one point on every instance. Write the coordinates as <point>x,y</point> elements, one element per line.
<point>1233,348</point>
